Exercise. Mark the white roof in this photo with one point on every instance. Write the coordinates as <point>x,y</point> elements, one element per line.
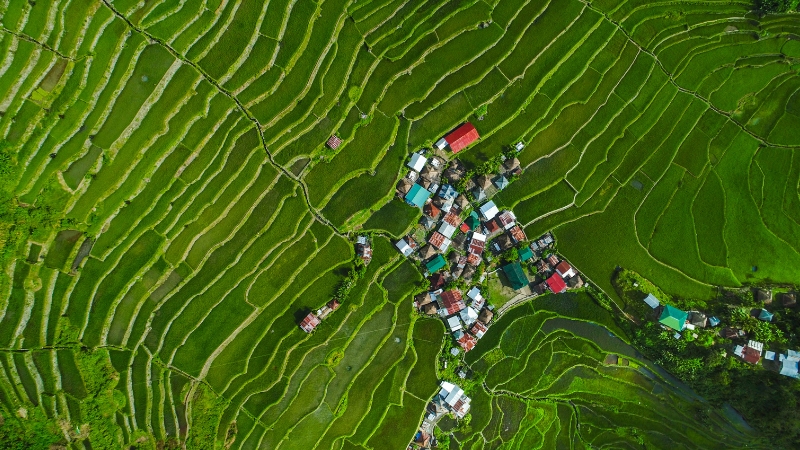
<point>441,144</point>
<point>404,248</point>
<point>469,315</point>
<point>489,210</point>
<point>417,162</point>
<point>447,230</point>
<point>769,355</point>
<point>479,236</point>
<point>519,146</point>
<point>651,301</point>
<point>789,368</point>
<point>755,345</point>
<point>453,323</point>
<point>793,354</point>
<point>738,351</point>
<point>474,293</point>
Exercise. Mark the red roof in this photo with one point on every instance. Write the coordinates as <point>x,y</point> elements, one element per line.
<point>476,246</point>
<point>431,210</point>
<point>518,234</point>
<point>751,355</point>
<point>563,267</point>
<point>452,219</point>
<point>505,218</point>
<point>451,300</point>
<point>492,226</point>
<point>473,259</point>
<point>437,280</point>
<point>553,260</point>
<point>556,283</point>
<point>467,341</point>
<point>463,136</point>
<point>464,227</point>
<point>478,329</point>
<point>436,240</point>
<point>309,323</point>
<point>334,304</point>
<point>333,142</point>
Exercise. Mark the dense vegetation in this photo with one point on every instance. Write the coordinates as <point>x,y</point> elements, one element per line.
<point>168,208</point>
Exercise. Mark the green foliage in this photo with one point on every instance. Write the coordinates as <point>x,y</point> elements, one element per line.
<point>510,255</point>
<point>207,410</point>
<point>482,110</point>
<point>776,6</point>
<point>35,432</point>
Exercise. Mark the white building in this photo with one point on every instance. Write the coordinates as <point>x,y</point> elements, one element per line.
<point>453,323</point>
<point>469,315</point>
<point>789,364</point>
<point>489,210</point>
<point>453,396</point>
<point>417,162</point>
<point>404,248</point>
<point>447,230</point>
<point>440,144</point>
<point>652,301</point>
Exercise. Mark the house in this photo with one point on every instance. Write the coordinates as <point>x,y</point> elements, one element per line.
<point>556,283</point>
<point>525,253</point>
<point>469,272</point>
<point>364,251</point>
<point>765,315</point>
<point>542,266</point>
<point>477,299</point>
<point>447,230</point>
<point>547,239</point>
<point>427,222</point>
<point>451,301</point>
<point>417,162</point>
<point>489,210</point>
<point>448,192</point>
<point>479,194</point>
<point>673,318</point>
<point>511,164</point>
<point>519,146</point>
<point>462,137</point>
<point>430,173</point>
<point>652,301</point>
<point>453,324</point>
<point>422,439</point>
<point>504,242</point>
<point>437,280</point>
<point>515,275</point>
<point>752,352</point>
<point>403,186</point>
<point>698,319</point>
<point>468,315</point>
<point>517,234</point>
<point>333,142</point>
<point>423,299</point>
<point>473,259</point>
<point>431,309</point>
<point>491,227</point>
<point>417,196</point>
<point>462,202</point>
<point>789,364</point>
<point>453,398</point>
<point>431,210</point>
<point>763,296</point>
<point>506,219</point>
<point>456,273</point>
<point>478,329</point>
<point>440,144</point>
<point>789,299</point>
<point>452,219</point>
<point>435,264</point>
<point>466,341</point>
<point>501,182</point>
<point>477,244</point>
<point>552,260</point>
<point>439,241</point>
<point>565,270</point>
<point>483,182</point>
<point>713,321</point>
<point>472,222</point>
<point>485,316</point>
<point>731,333</point>
<point>309,323</point>
<point>427,251</point>
<point>575,282</point>
<point>405,247</point>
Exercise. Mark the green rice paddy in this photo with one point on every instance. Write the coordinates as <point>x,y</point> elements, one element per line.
<point>181,146</point>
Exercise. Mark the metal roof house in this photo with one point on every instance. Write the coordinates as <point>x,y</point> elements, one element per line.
<point>515,275</point>
<point>525,253</point>
<point>435,264</point>
<point>652,301</point>
<point>453,396</point>
<point>309,323</point>
<point>556,283</point>
<point>462,137</point>
<point>765,315</point>
<point>404,247</point>
<point>417,162</point>
<point>489,210</point>
<point>417,196</point>
<point>673,317</point>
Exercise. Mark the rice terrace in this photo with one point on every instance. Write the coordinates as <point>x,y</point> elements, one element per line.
<point>397,224</point>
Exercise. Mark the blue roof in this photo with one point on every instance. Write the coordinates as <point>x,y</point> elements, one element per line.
<point>417,196</point>
<point>525,253</point>
<point>714,321</point>
<point>765,315</point>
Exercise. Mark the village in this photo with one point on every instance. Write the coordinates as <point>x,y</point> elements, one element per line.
<point>463,238</point>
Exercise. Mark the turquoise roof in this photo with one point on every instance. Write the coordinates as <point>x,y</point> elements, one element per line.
<point>525,253</point>
<point>417,196</point>
<point>673,317</point>
<point>435,264</point>
<point>515,275</point>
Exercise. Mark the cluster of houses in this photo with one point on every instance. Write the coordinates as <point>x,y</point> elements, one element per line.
<point>467,319</point>
<point>752,352</point>
<point>311,321</point>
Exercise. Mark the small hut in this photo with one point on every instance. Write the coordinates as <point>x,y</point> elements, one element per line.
<point>762,295</point>
<point>403,186</point>
<point>427,252</point>
<point>789,299</point>
<point>485,316</point>
<point>511,164</point>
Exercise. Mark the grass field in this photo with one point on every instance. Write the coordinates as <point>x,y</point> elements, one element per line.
<point>170,210</point>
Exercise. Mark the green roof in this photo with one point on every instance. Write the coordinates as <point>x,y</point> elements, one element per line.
<point>417,195</point>
<point>673,317</point>
<point>435,264</point>
<point>515,275</point>
<point>473,221</point>
<point>525,253</point>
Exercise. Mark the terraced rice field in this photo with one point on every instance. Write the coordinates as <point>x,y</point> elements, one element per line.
<point>554,380</point>
<point>194,213</point>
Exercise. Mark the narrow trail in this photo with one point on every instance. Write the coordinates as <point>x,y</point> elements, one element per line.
<point>317,215</point>
<point>25,37</point>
